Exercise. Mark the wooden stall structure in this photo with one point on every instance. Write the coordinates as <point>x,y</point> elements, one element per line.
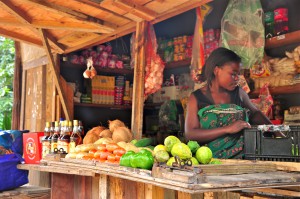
<point>66,26</point>
<point>100,180</point>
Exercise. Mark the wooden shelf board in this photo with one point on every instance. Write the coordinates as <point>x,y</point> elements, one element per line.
<point>111,106</point>
<point>100,70</point>
<point>178,64</point>
<point>281,40</point>
<point>280,90</point>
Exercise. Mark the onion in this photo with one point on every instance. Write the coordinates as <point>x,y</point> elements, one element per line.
<point>122,134</point>
<point>106,134</point>
<point>93,72</point>
<point>87,74</point>
<point>115,124</point>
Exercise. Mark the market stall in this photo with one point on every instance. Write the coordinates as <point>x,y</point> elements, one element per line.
<point>69,28</point>
<point>96,180</point>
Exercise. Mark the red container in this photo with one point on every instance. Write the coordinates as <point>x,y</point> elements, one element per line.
<point>32,147</point>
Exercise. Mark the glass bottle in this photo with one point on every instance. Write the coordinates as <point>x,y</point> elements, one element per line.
<point>64,139</point>
<point>75,138</point>
<point>46,147</point>
<point>81,129</point>
<point>55,137</point>
<point>52,127</point>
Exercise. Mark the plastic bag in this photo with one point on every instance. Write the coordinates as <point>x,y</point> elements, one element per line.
<point>10,176</point>
<point>265,101</point>
<point>242,30</point>
<point>11,141</point>
<point>154,64</point>
<point>168,116</point>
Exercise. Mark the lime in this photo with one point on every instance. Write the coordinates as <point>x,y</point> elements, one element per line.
<point>204,155</point>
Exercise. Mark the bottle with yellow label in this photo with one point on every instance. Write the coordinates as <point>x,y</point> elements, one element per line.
<point>55,137</point>
<point>64,139</point>
<point>75,138</point>
<point>46,147</point>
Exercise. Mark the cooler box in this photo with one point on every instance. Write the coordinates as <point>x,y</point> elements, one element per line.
<point>32,147</point>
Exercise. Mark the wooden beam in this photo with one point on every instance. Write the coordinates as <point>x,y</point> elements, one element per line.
<point>23,18</point>
<point>179,9</point>
<point>135,9</point>
<point>94,22</point>
<point>98,6</point>
<point>124,30</point>
<point>74,26</point>
<point>19,37</point>
<point>280,192</point>
<point>55,75</point>
<point>139,80</point>
<point>17,85</point>
<point>130,27</point>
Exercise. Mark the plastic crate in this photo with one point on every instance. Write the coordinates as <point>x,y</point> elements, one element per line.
<point>259,147</point>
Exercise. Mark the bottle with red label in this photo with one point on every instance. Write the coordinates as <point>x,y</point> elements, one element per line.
<point>46,147</point>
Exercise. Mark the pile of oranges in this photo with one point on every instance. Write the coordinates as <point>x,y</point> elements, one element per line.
<point>108,153</point>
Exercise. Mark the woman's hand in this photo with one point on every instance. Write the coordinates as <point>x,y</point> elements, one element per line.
<point>237,126</point>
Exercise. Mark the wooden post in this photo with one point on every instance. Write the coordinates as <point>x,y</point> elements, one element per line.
<point>17,88</point>
<point>138,82</point>
<point>55,75</point>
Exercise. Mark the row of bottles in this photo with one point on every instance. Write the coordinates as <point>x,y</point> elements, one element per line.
<point>62,137</point>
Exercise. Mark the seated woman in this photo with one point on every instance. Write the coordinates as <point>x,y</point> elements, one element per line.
<point>218,112</point>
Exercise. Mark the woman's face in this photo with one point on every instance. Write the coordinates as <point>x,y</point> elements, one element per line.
<point>228,75</point>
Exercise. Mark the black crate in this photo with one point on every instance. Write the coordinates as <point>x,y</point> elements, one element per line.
<point>259,147</point>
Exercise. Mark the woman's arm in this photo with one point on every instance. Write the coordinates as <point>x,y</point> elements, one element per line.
<point>193,130</point>
<point>256,117</point>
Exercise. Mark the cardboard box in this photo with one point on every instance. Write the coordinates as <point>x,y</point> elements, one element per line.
<point>32,147</point>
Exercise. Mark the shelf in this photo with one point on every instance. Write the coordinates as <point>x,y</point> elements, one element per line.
<point>279,90</point>
<point>281,40</point>
<point>110,106</point>
<point>100,70</point>
<point>178,64</point>
<point>157,105</point>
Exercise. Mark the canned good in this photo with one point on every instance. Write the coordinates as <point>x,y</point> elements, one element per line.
<point>176,49</point>
<point>184,39</point>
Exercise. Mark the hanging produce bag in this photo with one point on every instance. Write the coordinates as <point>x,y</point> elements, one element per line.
<point>242,30</point>
<point>154,64</point>
<point>197,60</point>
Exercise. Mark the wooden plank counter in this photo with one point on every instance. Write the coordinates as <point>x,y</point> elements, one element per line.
<point>72,180</point>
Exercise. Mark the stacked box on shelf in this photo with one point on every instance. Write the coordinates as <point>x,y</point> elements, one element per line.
<point>126,98</point>
<point>182,47</point>
<point>119,90</point>
<point>103,89</point>
<point>211,41</point>
<point>175,49</point>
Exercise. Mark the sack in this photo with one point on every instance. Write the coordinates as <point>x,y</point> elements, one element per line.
<point>11,141</point>
<point>242,30</point>
<point>10,176</point>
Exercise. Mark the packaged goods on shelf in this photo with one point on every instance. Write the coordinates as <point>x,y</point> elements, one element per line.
<point>175,49</point>
<point>292,116</point>
<point>103,89</point>
<point>276,71</point>
<point>211,41</point>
